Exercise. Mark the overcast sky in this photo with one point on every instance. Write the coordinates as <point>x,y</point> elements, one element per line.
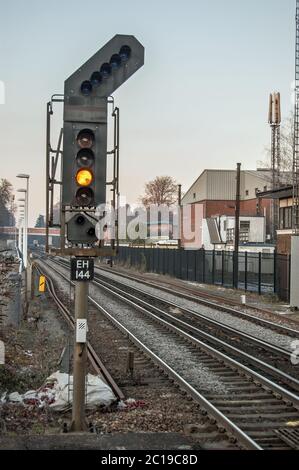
<point>200,101</point>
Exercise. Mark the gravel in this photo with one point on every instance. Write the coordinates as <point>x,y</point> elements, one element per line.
<point>228,319</point>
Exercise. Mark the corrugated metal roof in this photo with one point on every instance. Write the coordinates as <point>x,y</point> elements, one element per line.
<point>221,185</point>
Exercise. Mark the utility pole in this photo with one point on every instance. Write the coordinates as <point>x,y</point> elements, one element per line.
<point>237,228</point>
<point>274,119</point>
<point>179,218</point>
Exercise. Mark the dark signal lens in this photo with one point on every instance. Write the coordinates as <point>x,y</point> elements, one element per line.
<point>91,232</point>
<point>115,61</point>
<point>105,70</point>
<point>84,197</point>
<point>96,78</point>
<point>85,139</point>
<point>85,157</point>
<point>80,220</point>
<point>125,53</point>
<point>86,88</point>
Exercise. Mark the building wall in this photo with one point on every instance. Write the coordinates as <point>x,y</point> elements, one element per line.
<point>256,231</point>
<point>255,181</point>
<point>247,208</point>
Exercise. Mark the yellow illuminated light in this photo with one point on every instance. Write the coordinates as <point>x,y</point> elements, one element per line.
<point>84,177</point>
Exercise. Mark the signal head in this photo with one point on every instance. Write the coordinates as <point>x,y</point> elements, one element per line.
<point>84,197</point>
<point>91,232</point>
<point>96,78</point>
<point>86,88</point>
<point>84,177</point>
<point>125,53</point>
<point>80,220</point>
<point>85,139</point>
<point>105,70</point>
<point>85,157</point>
<point>115,61</point>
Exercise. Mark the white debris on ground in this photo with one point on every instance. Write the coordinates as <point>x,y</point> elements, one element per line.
<point>130,404</point>
<point>57,393</point>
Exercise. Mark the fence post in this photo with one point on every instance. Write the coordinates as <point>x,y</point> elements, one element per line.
<point>180,264</point>
<point>246,269</point>
<point>222,267</point>
<point>260,273</point>
<point>274,271</point>
<point>158,260</point>
<point>236,269</point>
<point>213,267</point>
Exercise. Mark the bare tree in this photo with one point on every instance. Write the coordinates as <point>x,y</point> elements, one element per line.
<point>160,191</point>
<point>286,149</point>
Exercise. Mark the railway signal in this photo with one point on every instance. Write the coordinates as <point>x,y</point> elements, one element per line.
<point>87,93</point>
<point>85,133</point>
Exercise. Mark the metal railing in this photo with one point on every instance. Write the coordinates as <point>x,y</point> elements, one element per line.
<point>264,273</point>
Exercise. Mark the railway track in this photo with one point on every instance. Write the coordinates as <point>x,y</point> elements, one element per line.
<point>273,360</point>
<point>264,356</point>
<point>258,412</point>
<point>214,301</point>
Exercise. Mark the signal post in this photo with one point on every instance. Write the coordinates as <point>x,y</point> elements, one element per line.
<point>84,180</point>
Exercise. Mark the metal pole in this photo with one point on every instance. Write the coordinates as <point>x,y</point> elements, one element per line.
<point>237,227</point>
<point>79,361</point>
<point>20,237</point>
<point>213,266</point>
<point>260,274</point>
<point>179,217</point>
<point>48,148</point>
<point>24,237</point>
<point>274,270</point>
<point>26,223</point>
<point>246,269</point>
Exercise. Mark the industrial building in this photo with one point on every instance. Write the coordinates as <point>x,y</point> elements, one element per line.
<point>284,198</point>
<point>212,198</point>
